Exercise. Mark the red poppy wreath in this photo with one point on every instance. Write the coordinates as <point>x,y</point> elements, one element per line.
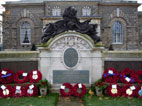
<point>6,91</point>
<point>138,76</point>
<point>114,90</point>
<point>139,91</point>
<point>6,76</point>
<point>66,89</point>
<point>31,90</point>
<point>129,90</point>
<point>127,76</point>
<point>79,90</point>
<point>19,91</point>
<point>35,76</point>
<point>111,75</point>
<point>21,77</point>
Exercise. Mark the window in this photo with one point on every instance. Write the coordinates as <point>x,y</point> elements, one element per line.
<point>56,11</point>
<point>86,11</point>
<point>118,12</point>
<point>117,33</point>
<point>25,33</point>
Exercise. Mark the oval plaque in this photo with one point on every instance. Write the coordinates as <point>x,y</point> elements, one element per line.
<point>70,57</point>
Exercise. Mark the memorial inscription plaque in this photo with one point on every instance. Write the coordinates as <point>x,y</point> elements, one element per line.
<point>70,76</point>
<point>70,57</point>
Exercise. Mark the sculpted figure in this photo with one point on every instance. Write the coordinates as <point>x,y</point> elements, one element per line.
<point>70,22</point>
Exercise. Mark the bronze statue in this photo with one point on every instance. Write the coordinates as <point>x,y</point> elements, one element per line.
<point>69,22</point>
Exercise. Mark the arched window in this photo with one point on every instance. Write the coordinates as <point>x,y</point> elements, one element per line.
<point>56,11</point>
<point>86,11</point>
<point>117,33</point>
<point>25,33</point>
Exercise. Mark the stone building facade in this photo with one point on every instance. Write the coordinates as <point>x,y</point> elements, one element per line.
<point>140,27</point>
<point>1,35</point>
<point>119,23</point>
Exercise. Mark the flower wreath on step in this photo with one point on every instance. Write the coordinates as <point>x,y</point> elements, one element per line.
<point>127,76</point>
<point>6,76</point>
<point>35,76</point>
<point>19,91</point>
<point>139,73</point>
<point>6,91</point>
<point>64,87</point>
<point>139,91</point>
<point>80,87</point>
<point>129,90</point>
<point>111,75</point>
<point>113,90</point>
<point>24,77</point>
<point>31,90</point>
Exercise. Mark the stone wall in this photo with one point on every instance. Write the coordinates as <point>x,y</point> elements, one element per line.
<point>14,16</point>
<point>34,12</point>
<point>140,28</point>
<point>16,61</point>
<point>123,59</point>
<point>128,16</point>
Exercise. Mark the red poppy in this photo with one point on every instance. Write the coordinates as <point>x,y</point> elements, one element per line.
<point>129,90</point>
<point>19,91</point>
<point>139,91</point>
<point>80,87</point>
<point>113,90</point>
<point>138,74</point>
<point>66,86</point>
<point>35,76</point>
<point>31,90</point>
<point>22,74</point>
<point>127,76</point>
<point>110,75</point>
<point>6,91</point>
<point>6,76</point>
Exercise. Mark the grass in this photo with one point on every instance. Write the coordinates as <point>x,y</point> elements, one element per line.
<point>49,100</point>
<point>109,101</point>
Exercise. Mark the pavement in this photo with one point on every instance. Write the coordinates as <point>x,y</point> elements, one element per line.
<point>69,101</point>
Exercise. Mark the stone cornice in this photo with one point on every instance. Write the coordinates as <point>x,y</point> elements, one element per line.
<point>120,4</point>
<point>58,18</point>
<point>23,4</point>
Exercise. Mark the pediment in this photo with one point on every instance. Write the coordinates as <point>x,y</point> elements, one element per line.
<point>74,40</point>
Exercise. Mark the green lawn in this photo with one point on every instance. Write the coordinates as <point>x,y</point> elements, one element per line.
<point>109,101</point>
<point>49,100</point>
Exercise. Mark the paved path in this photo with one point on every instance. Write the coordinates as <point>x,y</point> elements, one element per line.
<point>69,101</point>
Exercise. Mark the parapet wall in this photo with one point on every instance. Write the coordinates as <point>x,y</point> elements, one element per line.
<point>123,59</point>
<point>19,60</point>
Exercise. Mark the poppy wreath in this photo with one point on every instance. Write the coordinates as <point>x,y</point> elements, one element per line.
<point>139,91</point>
<point>21,77</point>
<point>35,76</point>
<point>110,75</point>
<point>19,91</point>
<point>113,90</point>
<point>77,87</point>
<point>127,76</point>
<point>65,86</point>
<point>31,90</point>
<point>129,90</point>
<point>6,76</point>
<point>139,74</point>
<point>6,91</point>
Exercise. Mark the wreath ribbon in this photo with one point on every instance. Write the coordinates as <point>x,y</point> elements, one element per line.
<point>4,76</point>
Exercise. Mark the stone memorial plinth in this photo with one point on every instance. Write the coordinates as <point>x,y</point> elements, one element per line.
<point>71,57</point>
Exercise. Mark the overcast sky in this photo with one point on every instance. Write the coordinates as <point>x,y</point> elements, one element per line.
<point>3,1</point>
